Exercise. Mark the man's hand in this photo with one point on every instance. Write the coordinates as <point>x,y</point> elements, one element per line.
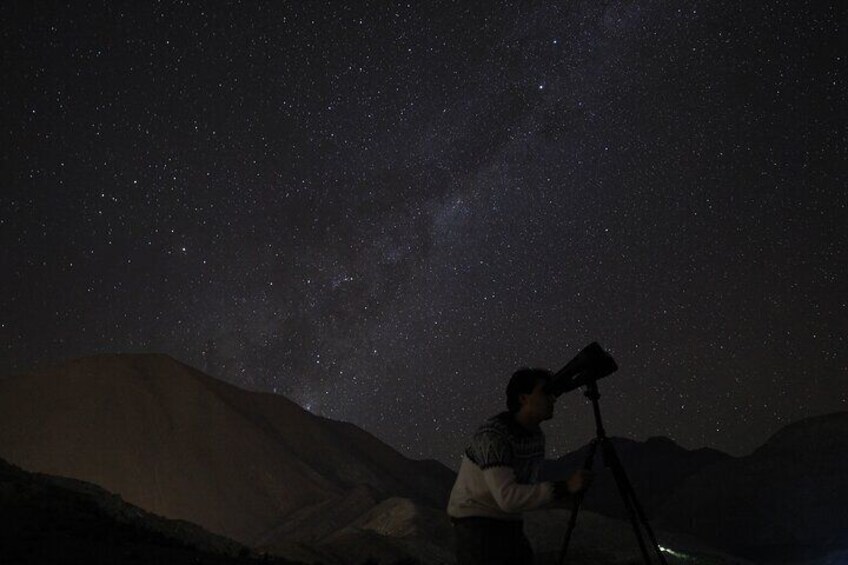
<point>576,483</point>
<point>580,481</point>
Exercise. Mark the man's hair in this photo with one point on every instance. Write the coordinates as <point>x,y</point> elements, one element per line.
<point>523,381</point>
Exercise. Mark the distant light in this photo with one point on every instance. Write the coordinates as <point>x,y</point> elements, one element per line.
<point>674,553</point>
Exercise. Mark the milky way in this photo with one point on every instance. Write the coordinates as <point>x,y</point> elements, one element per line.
<point>381,211</point>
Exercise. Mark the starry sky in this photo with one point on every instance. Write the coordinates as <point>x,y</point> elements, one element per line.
<point>381,210</point>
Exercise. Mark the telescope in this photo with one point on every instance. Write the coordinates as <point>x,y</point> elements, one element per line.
<point>588,366</point>
<point>586,369</point>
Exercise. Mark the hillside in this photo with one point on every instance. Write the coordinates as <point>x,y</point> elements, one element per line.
<point>181,444</point>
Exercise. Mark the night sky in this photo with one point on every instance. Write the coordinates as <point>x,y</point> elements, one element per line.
<point>382,210</point>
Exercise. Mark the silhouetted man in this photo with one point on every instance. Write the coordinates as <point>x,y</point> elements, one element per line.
<point>499,477</point>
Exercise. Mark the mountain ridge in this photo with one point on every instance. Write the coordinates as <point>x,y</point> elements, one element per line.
<point>183,444</point>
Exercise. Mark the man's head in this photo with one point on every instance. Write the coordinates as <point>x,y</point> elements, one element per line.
<point>526,397</point>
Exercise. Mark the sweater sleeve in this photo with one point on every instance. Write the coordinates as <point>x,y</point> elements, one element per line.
<point>513,497</point>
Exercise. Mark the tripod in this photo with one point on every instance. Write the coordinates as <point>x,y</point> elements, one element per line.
<point>611,461</point>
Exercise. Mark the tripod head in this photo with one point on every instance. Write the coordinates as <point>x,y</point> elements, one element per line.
<point>587,367</point>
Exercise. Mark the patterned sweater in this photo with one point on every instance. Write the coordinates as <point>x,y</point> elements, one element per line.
<point>499,473</point>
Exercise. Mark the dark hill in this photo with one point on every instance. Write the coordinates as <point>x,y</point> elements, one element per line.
<point>787,500</point>
<point>655,468</point>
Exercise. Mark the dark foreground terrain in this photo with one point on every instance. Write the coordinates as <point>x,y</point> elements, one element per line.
<point>45,519</point>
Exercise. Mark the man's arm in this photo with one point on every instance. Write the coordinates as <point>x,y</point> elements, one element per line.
<point>513,497</point>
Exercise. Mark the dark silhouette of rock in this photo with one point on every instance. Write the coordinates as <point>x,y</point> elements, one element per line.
<point>181,444</point>
<point>654,467</point>
<point>46,519</point>
<point>787,500</point>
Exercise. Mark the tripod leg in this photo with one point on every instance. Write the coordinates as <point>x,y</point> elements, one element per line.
<point>634,509</point>
<point>578,500</point>
<point>631,512</point>
<point>643,519</point>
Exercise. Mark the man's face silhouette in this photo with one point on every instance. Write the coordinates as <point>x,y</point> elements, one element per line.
<point>537,406</point>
